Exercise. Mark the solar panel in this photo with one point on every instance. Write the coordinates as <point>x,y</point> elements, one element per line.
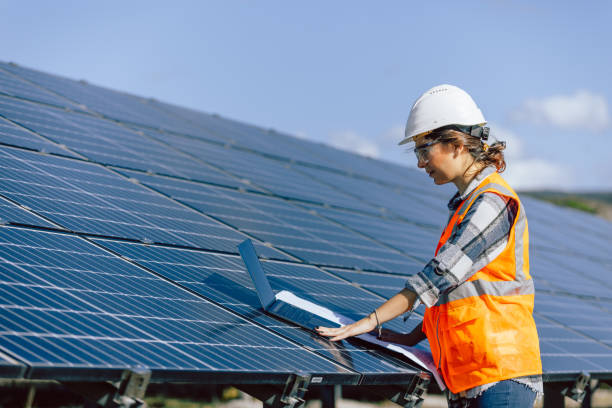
<point>11,134</point>
<point>271,175</point>
<point>412,239</point>
<point>583,235</point>
<point>14,86</point>
<point>290,149</point>
<point>562,273</point>
<point>109,103</point>
<point>575,344</point>
<point>120,217</point>
<point>279,145</point>
<point>68,303</point>
<point>224,280</point>
<point>13,213</point>
<point>11,368</point>
<point>285,226</point>
<point>88,198</point>
<point>106,142</point>
<point>392,200</point>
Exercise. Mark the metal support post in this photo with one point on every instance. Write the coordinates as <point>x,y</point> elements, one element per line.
<point>410,397</point>
<point>126,393</point>
<point>415,393</point>
<point>30,397</point>
<point>552,395</point>
<point>588,398</point>
<point>295,388</point>
<point>291,395</point>
<point>328,394</point>
<point>578,389</point>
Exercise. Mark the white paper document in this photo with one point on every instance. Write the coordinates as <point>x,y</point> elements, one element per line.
<point>419,356</point>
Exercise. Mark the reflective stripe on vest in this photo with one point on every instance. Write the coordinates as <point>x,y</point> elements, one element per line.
<point>483,330</point>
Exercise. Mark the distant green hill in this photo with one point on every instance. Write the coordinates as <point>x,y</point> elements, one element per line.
<point>594,203</point>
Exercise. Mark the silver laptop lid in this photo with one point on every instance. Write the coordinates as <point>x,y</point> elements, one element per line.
<point>262,286</point>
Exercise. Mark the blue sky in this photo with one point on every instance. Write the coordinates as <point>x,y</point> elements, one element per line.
<point>347,72</point>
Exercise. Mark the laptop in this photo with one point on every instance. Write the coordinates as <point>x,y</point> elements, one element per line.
<point>270,302</point>
<point>276,305</point>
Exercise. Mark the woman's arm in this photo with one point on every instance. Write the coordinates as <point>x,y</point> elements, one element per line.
<point>407,339</point>
<point>476,241</point>
<point>398,304</point>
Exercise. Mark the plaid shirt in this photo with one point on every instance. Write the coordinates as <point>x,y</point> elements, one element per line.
<point>476,241</point>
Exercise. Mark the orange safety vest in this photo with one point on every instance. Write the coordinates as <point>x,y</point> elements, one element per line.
<point>483,330</point>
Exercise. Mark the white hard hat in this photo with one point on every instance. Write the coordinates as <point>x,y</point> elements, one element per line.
<point>442,105</point>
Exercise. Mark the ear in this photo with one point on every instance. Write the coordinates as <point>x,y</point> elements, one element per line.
<point>458,150</point>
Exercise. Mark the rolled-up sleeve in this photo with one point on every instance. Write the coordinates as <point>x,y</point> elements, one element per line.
<point>477,240</point>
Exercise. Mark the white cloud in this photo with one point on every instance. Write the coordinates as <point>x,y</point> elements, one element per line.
<point>351,141</point>
<point>300,134</point>
<point>523,172</point>
<point>583,110</point>
<point>393,135</point>
<point>528,173</point>
<point>537,174</point>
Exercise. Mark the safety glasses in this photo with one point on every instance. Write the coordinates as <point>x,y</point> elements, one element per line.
<point>422,151</point>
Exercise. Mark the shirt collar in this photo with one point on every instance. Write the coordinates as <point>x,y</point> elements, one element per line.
<point>458,198</point>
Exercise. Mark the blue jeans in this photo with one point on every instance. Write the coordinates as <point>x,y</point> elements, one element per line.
<point>505,394</point>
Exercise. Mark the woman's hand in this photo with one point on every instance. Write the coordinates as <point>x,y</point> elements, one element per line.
<point>364,325</point>
<point>392,308</point>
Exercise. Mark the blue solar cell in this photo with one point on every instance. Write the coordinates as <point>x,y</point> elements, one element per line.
<point>88,198</point>
<point>12,85</point>
<point>283,146</point>
<point>296,150</point>
<point>569,230</point>
<point>91,320</point>
<point>556,341</point>
<point>560,362</point>
<point>11,134</point>
<point>580,220</point>
<point>579,316</point>
<point>11,213</point>
<point>210,127</point>
<point>416,241</point>
<point>248,137</point>
<point>185,164</point>
<point>570,275</point>
<point>545,237</point>
<point>223,279</point>
<point>112,104</point>
<point>414,206</point>
<point>106,142</point>
<point>41,119</point>
<point>271,175</point>
<point>284,225</point>
<point>385,285</point>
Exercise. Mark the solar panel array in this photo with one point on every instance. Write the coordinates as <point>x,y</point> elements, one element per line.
<point>120,218</point>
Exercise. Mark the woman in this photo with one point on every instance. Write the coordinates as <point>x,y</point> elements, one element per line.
<point>477,288</point>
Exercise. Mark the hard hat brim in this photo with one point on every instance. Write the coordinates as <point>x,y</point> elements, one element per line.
<point>410,139</point>
<point>415,137</point>
<point>406,140</point>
